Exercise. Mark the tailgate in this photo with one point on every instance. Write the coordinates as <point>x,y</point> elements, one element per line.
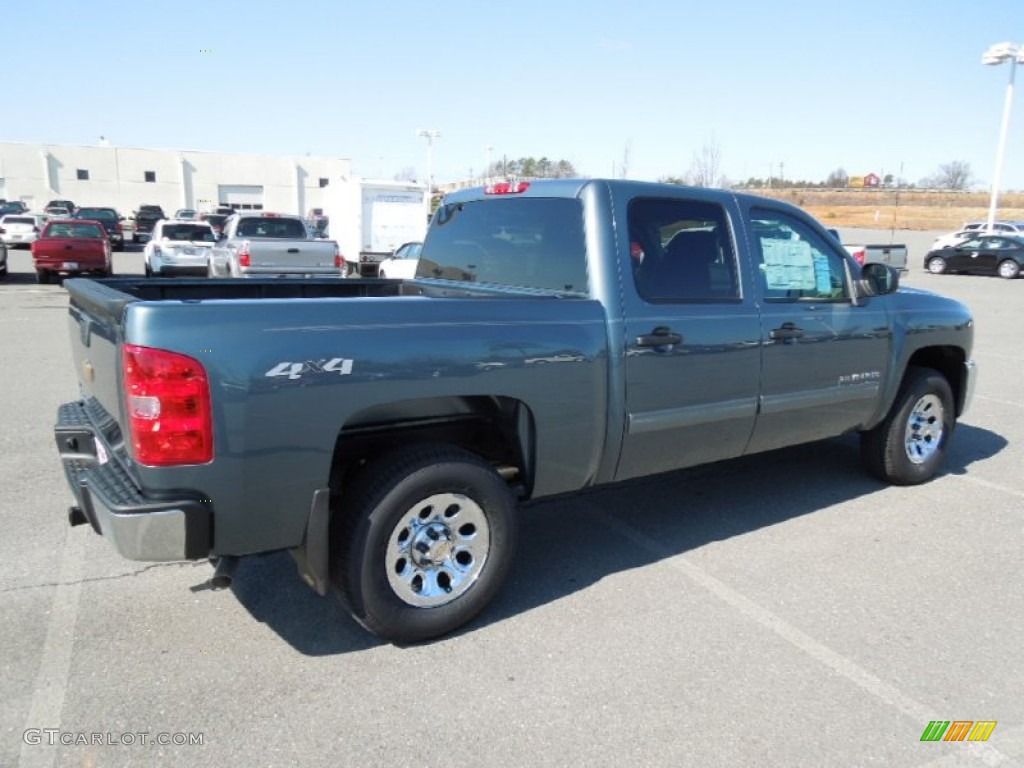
<point>82,249</point>
<point>95,314</point>
<point>292,255</point>
<point>893,255</point>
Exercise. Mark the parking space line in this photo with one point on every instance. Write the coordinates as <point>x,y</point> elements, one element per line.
<point>55,663</point>
<point>992,486</point>
<point>999,400</point>
<point>849,669</point>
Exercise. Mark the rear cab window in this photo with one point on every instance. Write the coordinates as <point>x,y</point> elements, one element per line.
<point>530,242</point>
<point>272,227</point>
<point>68,229</point>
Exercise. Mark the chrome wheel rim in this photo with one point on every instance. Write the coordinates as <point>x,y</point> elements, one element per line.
<point>924,429</point>
<point>937,266</point>
<point>1007,269</point>
<point>438,550</point>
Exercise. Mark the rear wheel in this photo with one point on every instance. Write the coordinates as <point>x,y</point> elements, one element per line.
<point>937,265</point>
<point>1009,269</point>
<point>43,276</point>
<point>424,540</point>
<point>908,447</point>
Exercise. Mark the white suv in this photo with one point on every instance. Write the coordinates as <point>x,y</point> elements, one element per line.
<point>179,246</point>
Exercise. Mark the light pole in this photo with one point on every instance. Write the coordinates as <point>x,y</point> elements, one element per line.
<point>429,135</point>
<point>487,168</point>
<point>995,55</point>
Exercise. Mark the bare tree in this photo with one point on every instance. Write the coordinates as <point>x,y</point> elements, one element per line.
<point>406,174</point>
<point>955,175</point>
<point>838,178</point>
<point>704,170</point>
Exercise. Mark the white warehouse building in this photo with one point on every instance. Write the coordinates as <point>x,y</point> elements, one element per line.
<point>125,178</point>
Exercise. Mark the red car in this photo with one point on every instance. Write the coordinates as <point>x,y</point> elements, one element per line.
<point>71,246</point>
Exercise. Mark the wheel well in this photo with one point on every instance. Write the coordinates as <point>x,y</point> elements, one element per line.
<point>949,361</point>
<point>498,429</point>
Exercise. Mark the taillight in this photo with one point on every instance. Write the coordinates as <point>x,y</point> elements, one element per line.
<point>339,260</point>
<point>244,259</point>
<point>168,404</point>
<point>507,188</point>
<point>859,255</point>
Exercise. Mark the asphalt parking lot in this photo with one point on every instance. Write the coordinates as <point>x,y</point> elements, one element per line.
<point>783,609</point>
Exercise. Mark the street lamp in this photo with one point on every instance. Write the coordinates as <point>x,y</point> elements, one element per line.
<point>429,135</point>
<point>995,55</point>
<point>487,168</point>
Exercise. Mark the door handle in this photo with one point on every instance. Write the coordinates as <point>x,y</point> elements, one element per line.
<point>787,331</point>
<point>293,250</point>
<point>662,336</point>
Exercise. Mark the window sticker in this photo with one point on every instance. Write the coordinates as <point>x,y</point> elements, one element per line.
<point>789,265</point>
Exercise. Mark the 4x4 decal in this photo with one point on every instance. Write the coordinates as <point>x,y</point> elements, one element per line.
<point>340,365</point>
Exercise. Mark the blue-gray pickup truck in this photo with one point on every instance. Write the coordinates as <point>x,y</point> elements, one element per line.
<point>558,335</point>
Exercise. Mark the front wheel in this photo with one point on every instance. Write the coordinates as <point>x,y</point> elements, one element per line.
<point>1009,269</point>
<point>908,447</point>
<point>425,539</point>
<point>936,265</point>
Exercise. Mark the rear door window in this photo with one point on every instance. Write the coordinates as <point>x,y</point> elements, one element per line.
<point>681,250</point>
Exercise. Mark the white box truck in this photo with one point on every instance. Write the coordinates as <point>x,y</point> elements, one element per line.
<point>370,218</point>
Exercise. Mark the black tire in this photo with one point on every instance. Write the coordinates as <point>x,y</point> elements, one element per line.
<point>1009,269</point>
<point>937,265</point>
<point>890,451</point>
<point>43,276</point>
<point>390,511</point>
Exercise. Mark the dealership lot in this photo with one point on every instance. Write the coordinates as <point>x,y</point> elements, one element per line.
<point>783,609</point>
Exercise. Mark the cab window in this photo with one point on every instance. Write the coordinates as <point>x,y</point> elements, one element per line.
<point>795,262</point>
<point>681,251</point>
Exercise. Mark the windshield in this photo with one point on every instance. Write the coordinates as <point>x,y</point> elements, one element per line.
<point>18,220</point>
<point>523,242</point>
<point>285,229</point>
<point>190,232</point>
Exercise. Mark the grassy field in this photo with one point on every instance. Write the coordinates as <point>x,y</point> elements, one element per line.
<point>908,209</point>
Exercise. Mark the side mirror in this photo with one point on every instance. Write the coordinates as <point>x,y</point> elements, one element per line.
<point>878,279</point>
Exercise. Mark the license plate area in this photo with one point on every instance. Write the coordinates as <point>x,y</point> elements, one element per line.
<point>70,265</point>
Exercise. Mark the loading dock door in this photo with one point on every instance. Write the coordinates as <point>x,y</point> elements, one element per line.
<point>244,197</point>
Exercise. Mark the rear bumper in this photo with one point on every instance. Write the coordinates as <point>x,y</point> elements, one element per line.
<point>289,272</point>
<point>140,528</point>
<point>61,264</point>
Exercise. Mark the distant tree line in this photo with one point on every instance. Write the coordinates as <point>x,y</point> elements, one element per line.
<point>533,168</point>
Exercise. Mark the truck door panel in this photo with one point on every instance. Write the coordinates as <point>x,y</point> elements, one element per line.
<point>824,358</point>
<point>692,356</point>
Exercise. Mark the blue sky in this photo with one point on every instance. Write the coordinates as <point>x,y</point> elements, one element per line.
<point>866,86</point>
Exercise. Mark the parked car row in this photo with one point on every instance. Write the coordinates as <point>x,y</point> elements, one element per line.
<point>1001,255</point>
<point>971,228</point>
